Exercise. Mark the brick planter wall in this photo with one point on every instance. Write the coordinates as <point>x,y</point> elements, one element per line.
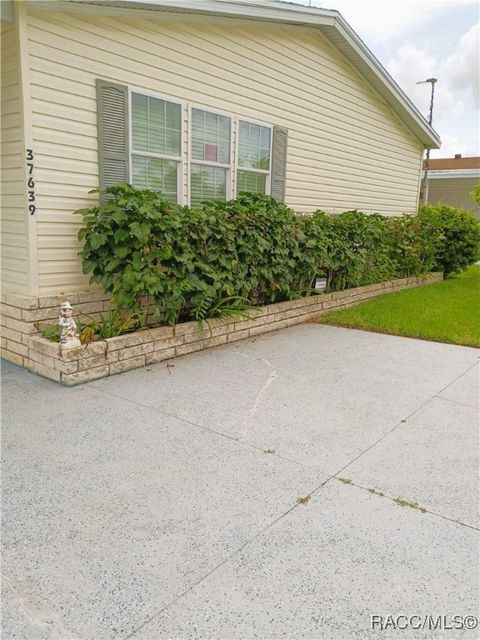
<point>22,345</point>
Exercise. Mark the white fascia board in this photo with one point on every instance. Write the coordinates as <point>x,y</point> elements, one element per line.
<point>267,10</point>
<point>440,174</point>
<point>330,22</point>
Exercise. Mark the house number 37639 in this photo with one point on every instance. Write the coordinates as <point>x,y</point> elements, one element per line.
<point>30,183</point>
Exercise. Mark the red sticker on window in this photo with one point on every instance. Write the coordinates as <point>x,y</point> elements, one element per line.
<point>210,152</point>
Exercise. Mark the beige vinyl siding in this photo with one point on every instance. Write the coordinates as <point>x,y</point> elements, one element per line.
<point>452,191</point>
<point>14,263</point>
<point>346,149</point>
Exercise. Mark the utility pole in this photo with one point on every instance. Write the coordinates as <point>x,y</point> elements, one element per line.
<point>432,82</point>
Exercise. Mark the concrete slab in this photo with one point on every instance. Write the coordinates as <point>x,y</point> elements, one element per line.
<point>149,495</point>
<point>320,395</point>
<point>325,568</point>
<point>110,509</point>
<point>466,389</point>
<point>22,617</point>
<point>433,459</point>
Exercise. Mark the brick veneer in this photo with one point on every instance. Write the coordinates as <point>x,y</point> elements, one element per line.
<point>23,317</point>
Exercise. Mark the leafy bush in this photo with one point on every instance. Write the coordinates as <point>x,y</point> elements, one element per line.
<point>413,245</point>
<point>475,194</point>
<point>258,253</point>
<point>358,252</point>
<point>189,261</point>
<point>459,236</point>
<point>353,248</point>
<point>216,260</point>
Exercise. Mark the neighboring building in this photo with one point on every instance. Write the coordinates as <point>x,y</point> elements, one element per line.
<point>451,180</point>
<point>197,98</point>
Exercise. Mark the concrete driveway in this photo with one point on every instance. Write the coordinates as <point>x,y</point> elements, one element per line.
<point>163,502</point>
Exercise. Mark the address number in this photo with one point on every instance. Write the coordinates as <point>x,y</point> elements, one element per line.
<point>30,182</point>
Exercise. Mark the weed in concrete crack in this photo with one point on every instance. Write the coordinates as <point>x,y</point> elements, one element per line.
<point>377,493</point>
<point>303,500</point>
<point>406,503</point>
<point>345,480</point>
<point>268,450</point>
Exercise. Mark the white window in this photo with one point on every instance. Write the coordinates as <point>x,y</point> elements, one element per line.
<point>157,153</point>
<point>210,161</point>
<point>254,157</point>
<point>156,137</point>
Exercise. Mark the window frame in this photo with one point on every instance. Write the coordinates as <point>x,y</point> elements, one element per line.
<point>268,173</point>
<point>185,160</point>
<point>229,191</point>
<point>151,154</point>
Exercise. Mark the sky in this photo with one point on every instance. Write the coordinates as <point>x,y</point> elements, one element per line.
<point>419,39</point>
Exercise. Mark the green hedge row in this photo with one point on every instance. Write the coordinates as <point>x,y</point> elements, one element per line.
<point>199,262</point>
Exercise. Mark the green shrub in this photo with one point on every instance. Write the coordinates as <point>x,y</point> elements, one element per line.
<point>358,252</point>
<point>189,261</point>
<point>353,248</point>
<point>413,245</point>
<point>474,194</point>
<point>459,231</point>
<point>217,259</point>
<point>260,250</point>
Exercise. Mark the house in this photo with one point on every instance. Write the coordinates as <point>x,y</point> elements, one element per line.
<point>197,98</point>
<point>451,180</point>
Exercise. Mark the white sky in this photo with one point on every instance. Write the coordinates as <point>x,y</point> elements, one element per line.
<point>420,39</point>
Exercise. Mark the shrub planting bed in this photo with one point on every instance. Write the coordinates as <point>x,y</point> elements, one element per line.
<point>160,265</point>
<point>114,355</point>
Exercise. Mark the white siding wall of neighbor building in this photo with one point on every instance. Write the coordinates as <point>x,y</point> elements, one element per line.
<point>346,148</point>
<point>14,262</point>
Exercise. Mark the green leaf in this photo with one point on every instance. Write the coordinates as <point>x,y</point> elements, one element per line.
<point>137,262</point>
<point>122,252</point>
<point>96,240</point>
<point>120,234</point>
<point>87,266</point>
<point>140,230</point>
<point>166,252</point>
<point>119,217</point>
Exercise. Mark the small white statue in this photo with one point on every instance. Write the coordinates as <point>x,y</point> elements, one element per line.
<point>69,337</point>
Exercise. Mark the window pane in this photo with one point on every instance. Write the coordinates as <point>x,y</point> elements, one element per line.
<point>156,125</point>
<point>210,137</point>
<point>157,174</point>
<point>173,115</point>
<point>172,147</point>
<point>252,182</point>
<point>140,122</point>
<point>207,183</point>
<point>254,146</point>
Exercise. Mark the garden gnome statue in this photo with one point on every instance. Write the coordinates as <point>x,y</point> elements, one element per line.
<point>69,336</point>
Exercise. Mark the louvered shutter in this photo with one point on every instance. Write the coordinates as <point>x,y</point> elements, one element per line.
<point>279,163</point>
<point>112,119</point>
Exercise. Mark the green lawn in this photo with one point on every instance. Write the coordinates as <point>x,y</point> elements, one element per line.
<point>448,311</point>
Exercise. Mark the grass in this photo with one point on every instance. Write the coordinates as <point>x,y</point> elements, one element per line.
<point>448,311</point>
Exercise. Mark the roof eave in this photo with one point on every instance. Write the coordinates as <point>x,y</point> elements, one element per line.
<point>442,174</point>
<point>331,23</point>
